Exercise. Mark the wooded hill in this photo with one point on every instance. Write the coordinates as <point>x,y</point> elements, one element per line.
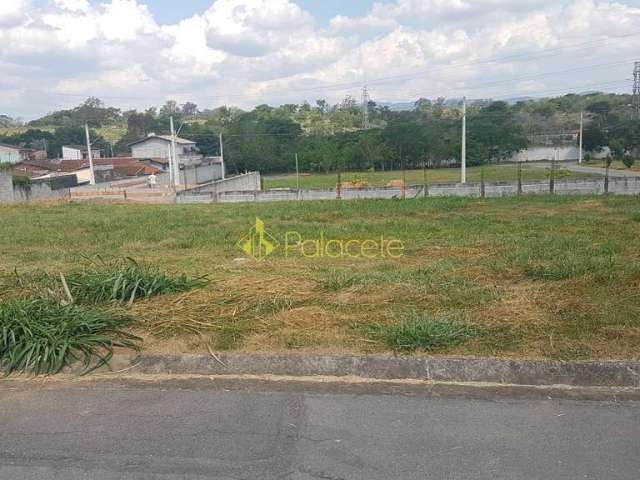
<point>327,137</point>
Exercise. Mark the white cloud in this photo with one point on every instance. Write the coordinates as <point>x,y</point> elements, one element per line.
<point>254,51</point>
<point>254,28</point>
<point>120,80</point>
<point>72,5</point>
<point>12,11</point>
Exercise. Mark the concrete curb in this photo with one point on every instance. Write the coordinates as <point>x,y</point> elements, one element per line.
<point>440,369</point>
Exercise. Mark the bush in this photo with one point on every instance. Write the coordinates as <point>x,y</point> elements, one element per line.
<point>21,181</point>
<point>421,332</point>
<point>43,337</point>
<point>124,281</point>
<point>628,161</point>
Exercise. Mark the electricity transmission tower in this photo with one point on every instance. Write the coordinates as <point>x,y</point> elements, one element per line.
<point>636,88</point>
<point>365,109</point>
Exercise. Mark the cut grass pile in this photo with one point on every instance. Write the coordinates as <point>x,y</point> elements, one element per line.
<point>417,331</point>
<point>44,337</point>
<point>545,277</point>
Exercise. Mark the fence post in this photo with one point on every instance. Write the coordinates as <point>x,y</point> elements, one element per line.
<point>606,176</point>
<point>339,187</point>
<point>482,185</point>
<point>519,178</point>
<point>424,180</point>
<point>552,177</point>
<point>403,192</point>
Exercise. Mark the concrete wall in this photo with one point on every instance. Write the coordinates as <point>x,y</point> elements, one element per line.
<point>38,191</point>
<point>6,187</point>
<point>34,192</point>
<point>620,186</point>
<point>248,182</point>
<point>199,174</point>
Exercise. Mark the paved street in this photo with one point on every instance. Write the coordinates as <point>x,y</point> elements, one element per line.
<point>258,430</point>
<point>575,167</point>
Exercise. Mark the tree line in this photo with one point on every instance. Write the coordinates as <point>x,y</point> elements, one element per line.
<point>328,137</point>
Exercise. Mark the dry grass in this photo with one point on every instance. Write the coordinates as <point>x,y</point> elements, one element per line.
<point>540,277</point>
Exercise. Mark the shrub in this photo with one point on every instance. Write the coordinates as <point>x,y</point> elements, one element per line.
<point>43,337</point>
<point>124,281</point>
<point>21,181</point>
<point>628,161</point>
<point>421,332</point>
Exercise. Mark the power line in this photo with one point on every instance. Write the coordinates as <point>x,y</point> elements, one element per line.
<point>529,94</point>
<point>405,77</point>
<point>410,76</point>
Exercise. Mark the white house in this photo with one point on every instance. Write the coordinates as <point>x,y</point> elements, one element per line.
<point>159,147</point>
<point>79,152</point>
<point>10,154</point>
<point>536,154</point>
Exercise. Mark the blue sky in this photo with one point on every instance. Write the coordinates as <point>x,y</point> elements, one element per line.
<point>141,53</point>
<point>171,11</point>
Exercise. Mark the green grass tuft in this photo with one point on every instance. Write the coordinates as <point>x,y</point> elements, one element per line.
<point>43,337</point>
<point>422,332</point>
<point>124,281</point>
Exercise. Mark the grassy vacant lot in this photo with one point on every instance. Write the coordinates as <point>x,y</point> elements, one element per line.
<point>554,277</point>
<point>492,173</point>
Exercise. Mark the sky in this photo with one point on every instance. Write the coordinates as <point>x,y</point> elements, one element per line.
<point>141,53</point>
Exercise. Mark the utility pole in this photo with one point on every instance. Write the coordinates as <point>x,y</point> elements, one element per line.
<point>174,159</point>
<point>463,156</point>
<point>92,173</point>
<point>170,165</point>
<point>581,135</point>
<point>222,156</point>
<point>636,88</point>
<point>425,183</point>
<point>365,109</point>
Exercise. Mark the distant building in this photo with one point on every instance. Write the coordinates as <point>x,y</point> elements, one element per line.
<point>9,154</point>
<point>79,152</point>
<point>13,154</point>
<point>159,147</point>
<point>106,169</point>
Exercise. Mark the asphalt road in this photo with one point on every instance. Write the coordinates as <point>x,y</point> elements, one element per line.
<point>250,430</point>
<point>575,167</point>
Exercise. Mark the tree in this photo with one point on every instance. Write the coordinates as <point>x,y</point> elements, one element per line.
<point>189,109</point>
<point>170,108</point>
<point>593,138</point>
<point>323,106</point>
<point>493,134</point>
<point>139,125</point>
<point>92,111</point>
